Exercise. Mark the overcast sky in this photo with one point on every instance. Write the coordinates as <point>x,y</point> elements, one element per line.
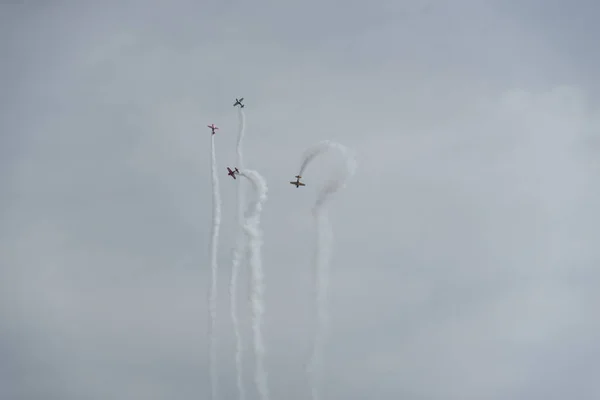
<point>464,265</point>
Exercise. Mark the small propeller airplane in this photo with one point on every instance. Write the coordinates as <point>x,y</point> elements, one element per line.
<point>238,102</point>
<point>232,173</point>
<point>298,183</point>
<point>213,127</point>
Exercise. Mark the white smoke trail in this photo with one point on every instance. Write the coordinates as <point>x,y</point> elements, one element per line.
<point>237,260</point>
<point>254,236</point>
<point>214,244</point>
<point>322,252</point>
<point>241,130</point>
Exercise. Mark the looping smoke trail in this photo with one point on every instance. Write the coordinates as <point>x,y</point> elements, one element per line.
<point>237,260</point>
<point>214,244</point>
<point>322,252</point>
<point>252,230</point>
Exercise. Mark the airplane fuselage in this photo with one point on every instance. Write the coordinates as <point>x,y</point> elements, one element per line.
<point>297,183</point>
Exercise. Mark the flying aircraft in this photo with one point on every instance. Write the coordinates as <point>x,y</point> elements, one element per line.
<point>238,102</point>
<point>232,173</point>
<point>213,127</point>
<point>298,183</point>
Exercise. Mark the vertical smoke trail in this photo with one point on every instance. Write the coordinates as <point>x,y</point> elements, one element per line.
<point>252,230</point>
<point>321,262</point>
<point>240,161</point>
<point>237,259</point>
<point>214,244</point>
<point>322,253</point>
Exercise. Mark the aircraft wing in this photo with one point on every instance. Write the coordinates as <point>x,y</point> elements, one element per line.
<point>301,184</point>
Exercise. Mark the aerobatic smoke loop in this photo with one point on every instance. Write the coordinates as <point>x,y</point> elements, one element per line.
<point>254,236</point>
<point>214,244</point>
<point>322,251</point>
<point>237,261</point>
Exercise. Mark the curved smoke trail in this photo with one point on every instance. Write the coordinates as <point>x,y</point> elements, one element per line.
<point>214,244</point>
<point>237,259</point>
<point>254,236</point>
<point>322,252</point>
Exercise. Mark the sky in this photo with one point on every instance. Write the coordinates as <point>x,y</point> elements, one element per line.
<point>464,259</point>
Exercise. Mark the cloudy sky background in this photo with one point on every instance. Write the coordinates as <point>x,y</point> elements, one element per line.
<point>465,264</point>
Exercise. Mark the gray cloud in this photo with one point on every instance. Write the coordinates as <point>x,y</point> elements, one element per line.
<point>464,261</point>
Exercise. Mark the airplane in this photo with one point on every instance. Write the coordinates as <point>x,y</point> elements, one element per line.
<point>238,102</point>
<point>213,127</point>
<point>232,173</point>
<point>298,183</point>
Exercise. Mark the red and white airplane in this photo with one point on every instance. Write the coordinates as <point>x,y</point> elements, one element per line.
<point>232,173</point>
<point>213,127</point>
